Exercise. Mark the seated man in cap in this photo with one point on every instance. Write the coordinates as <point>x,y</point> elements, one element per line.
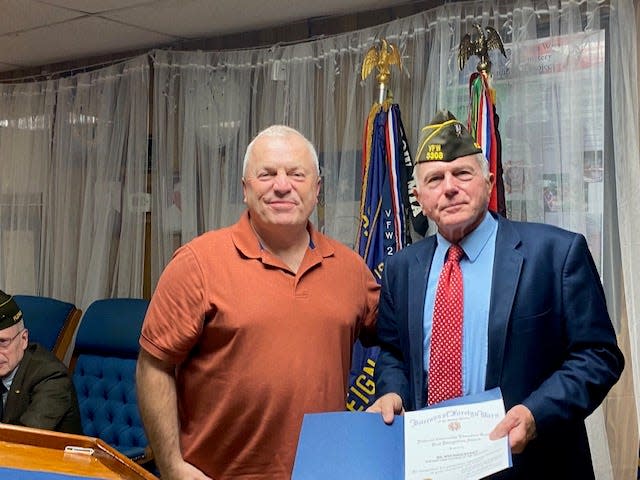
<point>35,387</point>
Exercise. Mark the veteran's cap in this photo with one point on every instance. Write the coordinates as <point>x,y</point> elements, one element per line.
<point>444,139</point>
<point>10,313</point>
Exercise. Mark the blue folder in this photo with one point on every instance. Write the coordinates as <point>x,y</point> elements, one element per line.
<point>348,446</point>
<point>358,445</point>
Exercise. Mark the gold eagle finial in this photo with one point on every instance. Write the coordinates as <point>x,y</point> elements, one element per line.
<point>480,47</point>
<point>381,57</point>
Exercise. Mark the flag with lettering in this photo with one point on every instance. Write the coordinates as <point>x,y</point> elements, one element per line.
<point>385,216</point>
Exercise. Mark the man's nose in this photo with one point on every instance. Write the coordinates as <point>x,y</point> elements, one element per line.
<point>281,181</point>
<point>449,182</point>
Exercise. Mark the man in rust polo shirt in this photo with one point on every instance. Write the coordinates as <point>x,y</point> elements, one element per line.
<point>253,325</point>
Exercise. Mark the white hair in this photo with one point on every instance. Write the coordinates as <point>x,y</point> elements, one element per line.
<point>280,131</point>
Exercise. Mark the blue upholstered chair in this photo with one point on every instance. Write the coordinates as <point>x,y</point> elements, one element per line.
<point>51,322</point>
<point>103,366</point>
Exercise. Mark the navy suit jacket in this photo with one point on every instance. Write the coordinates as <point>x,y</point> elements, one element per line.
<point>551,347</point>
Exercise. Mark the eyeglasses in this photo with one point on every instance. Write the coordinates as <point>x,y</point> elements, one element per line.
<point>5,342</point>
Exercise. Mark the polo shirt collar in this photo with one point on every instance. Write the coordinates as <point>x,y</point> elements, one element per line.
<point>246,241</point>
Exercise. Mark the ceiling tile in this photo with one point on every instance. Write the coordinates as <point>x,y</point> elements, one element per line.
<point>19,15</point>
<point>94,6</point>
<point>206,18</point>
<point>86,37</point>
<point>41,32</point>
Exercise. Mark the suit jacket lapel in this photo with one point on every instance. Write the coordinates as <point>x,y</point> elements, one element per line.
<point>15,395</point>
<point>417,290</point>
<point>507,266</point>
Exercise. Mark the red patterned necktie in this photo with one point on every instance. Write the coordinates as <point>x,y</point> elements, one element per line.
<point>445,358</point>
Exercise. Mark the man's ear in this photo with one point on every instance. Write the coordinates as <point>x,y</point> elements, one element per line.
<point>25,332</point>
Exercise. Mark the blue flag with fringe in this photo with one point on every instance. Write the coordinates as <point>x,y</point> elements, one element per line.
<point>385,215</point>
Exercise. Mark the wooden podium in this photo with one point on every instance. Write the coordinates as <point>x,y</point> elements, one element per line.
<point>46,451</point>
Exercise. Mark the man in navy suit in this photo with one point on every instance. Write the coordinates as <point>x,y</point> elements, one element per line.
<point>535,321</point>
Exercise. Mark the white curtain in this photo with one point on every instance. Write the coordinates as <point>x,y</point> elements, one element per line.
<point>554,92</point>
<point>624,197</point>
<point>74,159</point>
<point>73,152</point>
<point>551,92</point>
<point>26,128</point>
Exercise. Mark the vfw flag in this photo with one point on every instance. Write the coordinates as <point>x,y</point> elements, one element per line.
<point>383,229</point>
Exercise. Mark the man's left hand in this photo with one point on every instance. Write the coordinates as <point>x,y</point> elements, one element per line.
<point>519,424</point>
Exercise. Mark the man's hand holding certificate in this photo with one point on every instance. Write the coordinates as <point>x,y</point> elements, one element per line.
<point>449,440</point>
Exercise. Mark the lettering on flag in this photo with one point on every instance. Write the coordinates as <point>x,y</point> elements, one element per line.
<point>385,216</point>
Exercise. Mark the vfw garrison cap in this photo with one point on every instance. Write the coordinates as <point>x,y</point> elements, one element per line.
<point>444,139</point>
<point>10,313</point>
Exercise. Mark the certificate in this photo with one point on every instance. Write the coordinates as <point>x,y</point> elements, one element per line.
<point>449,440</point>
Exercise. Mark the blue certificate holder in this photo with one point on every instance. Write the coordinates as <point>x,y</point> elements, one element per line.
<point>348,446</point>
<point>354,445</point>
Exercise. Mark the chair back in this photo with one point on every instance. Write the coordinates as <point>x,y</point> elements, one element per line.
<point>51,322</point>
<point>103,365</point>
